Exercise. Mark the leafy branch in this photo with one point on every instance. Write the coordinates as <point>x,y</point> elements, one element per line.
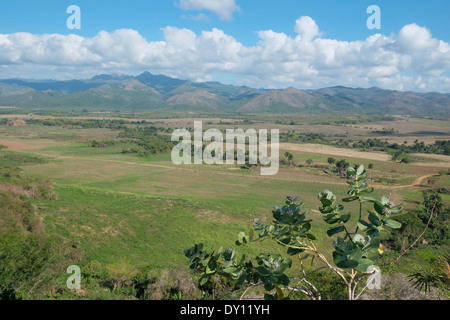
<point>354,252</point>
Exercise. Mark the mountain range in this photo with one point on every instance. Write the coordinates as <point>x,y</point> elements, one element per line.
<point>159,92</point>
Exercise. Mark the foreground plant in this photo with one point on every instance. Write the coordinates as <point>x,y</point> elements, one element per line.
<point>353,259</point>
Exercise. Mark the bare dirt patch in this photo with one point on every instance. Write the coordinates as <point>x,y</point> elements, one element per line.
<point>13,189</point>
<point>17,146</point>
<point>212,216</point>
<point>333,151</point>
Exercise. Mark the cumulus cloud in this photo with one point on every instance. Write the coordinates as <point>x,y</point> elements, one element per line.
<point>415,38</point>
<point>307,28</point>
<point>409,60</point>
<point>222,8</point>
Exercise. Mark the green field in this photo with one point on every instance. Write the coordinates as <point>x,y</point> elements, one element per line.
<point>146,210</point>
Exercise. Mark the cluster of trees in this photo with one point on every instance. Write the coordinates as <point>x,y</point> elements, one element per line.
<point>342,166</point>
<point>398,151</point>
<point>339,167</point>
<point>414,222</point>
<point>100,144</point>
<point>385,131</point>
<point>289,159</point>
<point>430,223</point>
<point>303,137</point>
<point>80,123</point>
<point>149,139</point>
<point>439,147</point>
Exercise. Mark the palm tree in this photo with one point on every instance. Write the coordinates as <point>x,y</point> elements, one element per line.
<point>438,275</point>
<point>290,157</point>
<point>370,166</point>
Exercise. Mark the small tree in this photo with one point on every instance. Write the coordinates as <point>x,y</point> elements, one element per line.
<point>342,167</point>
<point>331,162</point>
<point>289,157</point>
<point>370,167</point>
<point>438,276</point>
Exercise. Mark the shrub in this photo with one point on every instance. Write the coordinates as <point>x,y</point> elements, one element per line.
<point>354,252</point>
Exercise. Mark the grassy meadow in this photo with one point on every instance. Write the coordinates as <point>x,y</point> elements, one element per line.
<point>147,211</point>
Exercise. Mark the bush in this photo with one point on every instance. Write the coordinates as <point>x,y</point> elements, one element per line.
<point>354,252</point>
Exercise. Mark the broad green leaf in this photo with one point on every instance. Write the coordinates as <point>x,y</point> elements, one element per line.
<point>325,210</point>
<point>331,218</point>
<point>364,264</point>
<point>359,239</point>
<point>366,191</point>
<point>364,226</point>
<point>360,170</point>
<point>350,199</point>
<point>351,171</point>
<point>335,230</point>
<point>203,280</point>
<point>371,243</point>
<point>310,236</point>
<point>378,207</point>
<point>305,256</point>
<point>345,217</point>
<point>231,269</point>
<point>356,255</point>
<point>294,251</point>
<point>374,219</point>
<point>369,199</point>
<point>392,224</point>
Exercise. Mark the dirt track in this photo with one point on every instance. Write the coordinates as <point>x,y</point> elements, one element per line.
<point>415,183</point>
<point>17,146</point>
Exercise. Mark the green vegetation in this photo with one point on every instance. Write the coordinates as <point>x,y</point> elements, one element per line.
<point>29,258</point>
<point>354,253</point>
<point>149,139</point>
<point>117,207</point>
<point>14,159</point>
<point>398,151</point>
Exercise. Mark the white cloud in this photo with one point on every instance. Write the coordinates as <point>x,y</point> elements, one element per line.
<point>222,8</point>
<point>415,38</point>
<point>409,60</point>
<point>307,28</point>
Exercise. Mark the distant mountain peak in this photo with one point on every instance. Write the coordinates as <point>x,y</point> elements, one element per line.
<point>108,77</point>
<point>167,93</point>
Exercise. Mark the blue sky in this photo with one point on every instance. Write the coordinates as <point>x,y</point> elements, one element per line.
<point>343,20</point>
<point>243,33</point>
